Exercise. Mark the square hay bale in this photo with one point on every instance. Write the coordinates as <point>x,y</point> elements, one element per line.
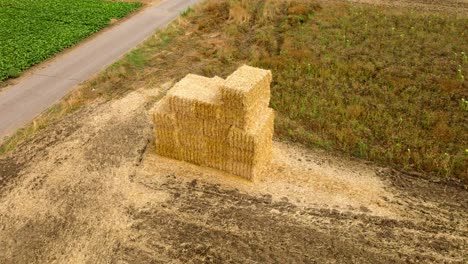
<point>245,95</point>
<point>167,150</point>
<point>244,120</point>
<point>196,96</point>
<point>188,125</point>
<point>217,155</point>
<point>165,135</point>
<point>249,169</point>
<point>241,169</point>
<point>217,148</point>
<point>206,127</point>
<point>240,139</point>
<point>245,170</point>
<point>165,130</point>
<point>246,87</point>
<point>265,125</point>
<point>258,133</point>
<point>215,129</point>
<point>260,153</point>
<point>192,155</point>
<point>191,141</point>
<point>162,117</point>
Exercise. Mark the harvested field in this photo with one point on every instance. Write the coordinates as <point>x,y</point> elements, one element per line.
<point>88,188</point>
<point>91,189</point>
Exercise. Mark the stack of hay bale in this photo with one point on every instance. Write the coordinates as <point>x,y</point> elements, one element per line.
<point>223,124</point>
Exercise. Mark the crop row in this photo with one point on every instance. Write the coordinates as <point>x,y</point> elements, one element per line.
<point>34,30</point>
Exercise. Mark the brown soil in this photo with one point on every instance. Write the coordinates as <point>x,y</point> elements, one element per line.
<point>89,189</point>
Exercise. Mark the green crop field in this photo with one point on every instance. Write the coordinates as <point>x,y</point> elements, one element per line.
<point>34,30</point>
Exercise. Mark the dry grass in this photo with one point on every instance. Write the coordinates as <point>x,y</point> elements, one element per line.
<point>382,84</point>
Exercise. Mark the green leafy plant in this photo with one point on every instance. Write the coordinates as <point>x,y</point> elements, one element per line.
<point>464,104</point>
<point>186,12</point>
<point>34,30</point>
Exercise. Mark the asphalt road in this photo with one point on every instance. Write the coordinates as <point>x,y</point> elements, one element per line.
<point>35,93</point>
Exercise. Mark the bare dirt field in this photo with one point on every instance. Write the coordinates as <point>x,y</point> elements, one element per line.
<point>89,189</point>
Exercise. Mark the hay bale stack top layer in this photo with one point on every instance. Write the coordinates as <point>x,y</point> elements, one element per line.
<point>245,95</point>
<point>196,96</point>
<point>246,78</point>
<point>198,88</point>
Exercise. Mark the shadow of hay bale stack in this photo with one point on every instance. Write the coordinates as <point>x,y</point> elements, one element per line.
<point>223,124</point>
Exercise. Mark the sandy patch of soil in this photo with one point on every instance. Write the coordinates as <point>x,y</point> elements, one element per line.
<point>90,189</point>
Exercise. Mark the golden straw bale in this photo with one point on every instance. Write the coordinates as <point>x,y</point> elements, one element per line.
<point>191,141</point>
<point>215,129</point>
<point>192,155</point>
<point>247,157</point>
<point>265,124</point>
<point>189,126</point>
<point>162,116</point>
<point>246,86</point>
<point>206,127</point>
<point>238,169</point>
<point>237,137</point>
<point>217,148</point>
<point>223,124</point>
<point>217,155</point>
<point>248,169</point>
<point>245,95</point>
<point>165,135</point>
<point>167,150</point>
<point>242,169</point>
<point>258,133</point>
<point>196,96</point>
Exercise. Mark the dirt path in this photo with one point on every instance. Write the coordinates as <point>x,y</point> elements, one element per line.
<point>90,190</point>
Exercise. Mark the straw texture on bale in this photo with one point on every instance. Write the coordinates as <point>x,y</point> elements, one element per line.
<point>223,124</point>
<point>245,94</point>
<point>196,96</point>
